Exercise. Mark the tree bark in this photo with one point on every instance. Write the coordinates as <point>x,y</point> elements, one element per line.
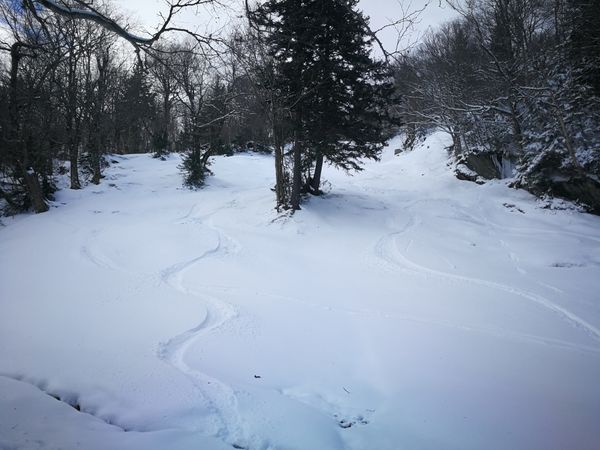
<point>36,196</point>
<point>315,183</point>
<point>280,188</point>
<point>568,142</point>
<point>456,144</point>
<point>20,154</point>
<point>96,167</point>
<point>297,175</point>
<point>73,144</point>
<point>98,120</point>
<point>516,126</point>
<point>281,181</point>
<point>74,163</point>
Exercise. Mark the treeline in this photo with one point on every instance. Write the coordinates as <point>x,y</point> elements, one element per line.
<point>71,92</point>
<point>516,83</point>
<point>298,80</point>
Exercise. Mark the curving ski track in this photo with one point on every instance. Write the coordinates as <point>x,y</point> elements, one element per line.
<point>387,251</point>
<point>221,398</point>
<point>489,330</point>
<point>221,401</point>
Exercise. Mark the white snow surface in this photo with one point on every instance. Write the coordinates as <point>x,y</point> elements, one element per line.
<point>404,310</point>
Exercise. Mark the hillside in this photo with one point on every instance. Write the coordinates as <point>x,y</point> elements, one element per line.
<point>405,309</point>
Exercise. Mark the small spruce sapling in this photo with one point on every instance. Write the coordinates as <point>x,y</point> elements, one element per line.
<point>194,167</point>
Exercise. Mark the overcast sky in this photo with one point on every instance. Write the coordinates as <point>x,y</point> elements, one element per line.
<point>381,12</point>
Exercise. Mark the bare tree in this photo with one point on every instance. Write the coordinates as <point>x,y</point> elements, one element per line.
<point>64,35</point>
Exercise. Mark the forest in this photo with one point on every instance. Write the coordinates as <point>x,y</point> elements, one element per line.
<point>514,82</point>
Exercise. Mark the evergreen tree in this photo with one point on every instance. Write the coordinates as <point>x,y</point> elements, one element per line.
<point>194,166</point>
<point>213,116</point>
<point>135,110</point>
<point>336,93</point>
<point>584,40</point>
<point>205,137</point>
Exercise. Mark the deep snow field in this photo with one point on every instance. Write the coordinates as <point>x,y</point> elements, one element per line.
<point>404,310</point>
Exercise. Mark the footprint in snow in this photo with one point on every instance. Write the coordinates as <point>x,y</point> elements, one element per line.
<point>567,265</point>
<point>350,422</point>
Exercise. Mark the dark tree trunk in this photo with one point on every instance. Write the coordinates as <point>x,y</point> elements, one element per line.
<point>280,187</point>
<point>297,175</point>
<point>166,117</point>
<point>516,127</point>
<point>456,143</point>
<point>98,121</point>
<point>281,180</point>
<point>96,168</point>
<point>15,58</point>
<point>20,154</point>
<point>35,191</point>
<point>73,144</point>
<point>95,147</point>
<point>74,160</point>
<point>315,183</point>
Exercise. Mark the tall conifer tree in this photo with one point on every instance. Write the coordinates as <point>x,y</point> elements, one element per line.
<point>336,91</point>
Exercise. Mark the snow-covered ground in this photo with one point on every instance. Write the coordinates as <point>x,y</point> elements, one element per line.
<point>405,310</point>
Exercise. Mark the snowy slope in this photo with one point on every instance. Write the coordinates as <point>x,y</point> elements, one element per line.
<point>405,310</point>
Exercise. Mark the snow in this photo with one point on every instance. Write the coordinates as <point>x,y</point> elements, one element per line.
<point>404,310</point>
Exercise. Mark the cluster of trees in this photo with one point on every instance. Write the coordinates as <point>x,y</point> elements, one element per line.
<point>328,98</point>
<point>300,80</point>
<point>516,83</point>
<point>71,92</point>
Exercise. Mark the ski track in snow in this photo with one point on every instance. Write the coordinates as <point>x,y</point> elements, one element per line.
<point>89,253</point>
<point>539,231</point>
<point>388,257</point>
<point>493,331</point>
<point>387,250</point>
<point>221,397</point>
<point>95,258</point>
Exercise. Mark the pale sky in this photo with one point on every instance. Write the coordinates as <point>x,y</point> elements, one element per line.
<point>381,12</point>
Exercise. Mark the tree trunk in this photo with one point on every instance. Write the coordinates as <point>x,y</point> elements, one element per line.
<point>36,196</point>
<point>568,142</point>
<point>71,126</point>
<point>456,143</point>
<point>516,126</point>
<point>97,140</point>
<point>32,182</point>
<point>95,143</point>
<point>315,183</point>
<point>297,175</point>
<point>411,137</point>
<point>280,181</point>
<point>74,160</point>
<point>96,168</point>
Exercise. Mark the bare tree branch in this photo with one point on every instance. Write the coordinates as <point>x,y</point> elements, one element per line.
<point>85,11</point>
